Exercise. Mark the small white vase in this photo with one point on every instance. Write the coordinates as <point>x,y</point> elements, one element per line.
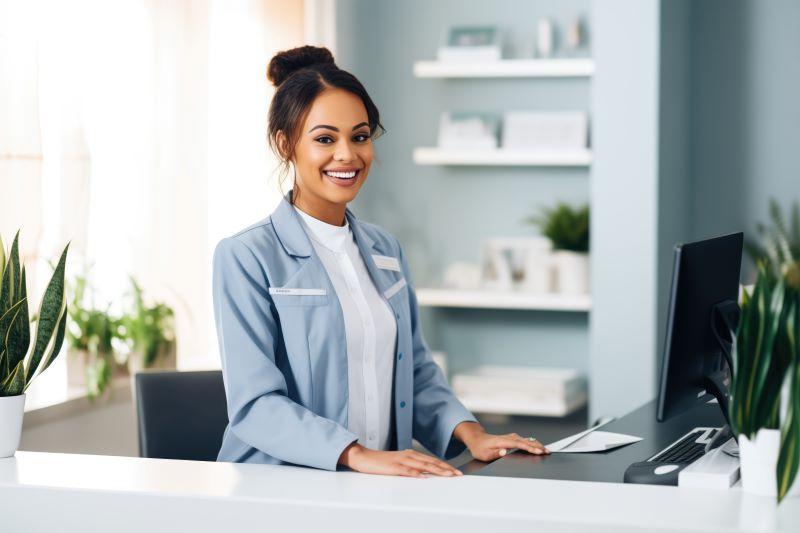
<point>572,272</point>
<point>758,460</point>
<point>12,409</point>
<point>538,271</point>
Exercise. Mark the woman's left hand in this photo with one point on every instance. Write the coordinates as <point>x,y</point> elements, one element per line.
<point>487,447</point>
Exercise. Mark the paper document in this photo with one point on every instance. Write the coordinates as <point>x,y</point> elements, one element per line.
<point>596,441</point>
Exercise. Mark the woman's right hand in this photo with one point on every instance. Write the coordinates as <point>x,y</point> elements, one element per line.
<point>408,463</point>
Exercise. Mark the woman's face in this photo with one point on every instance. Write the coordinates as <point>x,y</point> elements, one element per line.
<point>334,150</point>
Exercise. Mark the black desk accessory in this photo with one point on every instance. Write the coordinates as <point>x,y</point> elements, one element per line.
<point>697,359</point>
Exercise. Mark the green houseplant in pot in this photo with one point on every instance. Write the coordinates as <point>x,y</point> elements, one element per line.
<point>21,358</point>
<point>148,332</point>
<point>90,335</point>
<point>567,228</point>
<point>765,399</point>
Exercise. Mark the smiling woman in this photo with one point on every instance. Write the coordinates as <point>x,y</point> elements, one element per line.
<point>322,352</point>
<point>322,123</point>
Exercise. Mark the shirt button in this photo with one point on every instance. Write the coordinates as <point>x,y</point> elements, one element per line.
<point>402,404</point>
<point>400,355</point>
<point>372,436</point>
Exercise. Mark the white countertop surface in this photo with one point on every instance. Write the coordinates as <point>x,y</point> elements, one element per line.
<point>70,492</point>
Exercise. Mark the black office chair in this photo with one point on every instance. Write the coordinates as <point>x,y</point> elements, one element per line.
<point>180,415</point>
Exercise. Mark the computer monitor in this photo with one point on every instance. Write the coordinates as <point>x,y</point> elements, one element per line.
<point>703,309</point>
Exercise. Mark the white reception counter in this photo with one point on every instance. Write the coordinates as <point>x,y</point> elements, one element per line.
<point>70,492</point>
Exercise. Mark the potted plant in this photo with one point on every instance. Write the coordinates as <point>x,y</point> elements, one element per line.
<point>90,336</point>
<point>21,359</point>
<point>567,228</point>
<point>149,333</point>
<point>766,381</point>
<point>765,399</point>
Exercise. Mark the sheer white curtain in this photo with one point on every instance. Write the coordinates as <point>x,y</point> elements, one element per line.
<point>20,134</point>
<point>137,128</point>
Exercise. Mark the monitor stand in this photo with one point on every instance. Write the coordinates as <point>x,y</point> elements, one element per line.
<point>724,318</point>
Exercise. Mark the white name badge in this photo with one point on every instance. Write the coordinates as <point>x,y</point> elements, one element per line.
<point>394,289</point>
<point>297,291</point>
<point>387,263</point>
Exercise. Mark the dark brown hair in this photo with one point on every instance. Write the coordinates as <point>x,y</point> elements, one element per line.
<point>299,76</point>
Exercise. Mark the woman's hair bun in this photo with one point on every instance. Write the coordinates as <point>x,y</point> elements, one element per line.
<point>283,64</point>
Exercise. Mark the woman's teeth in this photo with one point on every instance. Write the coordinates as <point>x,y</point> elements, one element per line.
<point>341,175</point>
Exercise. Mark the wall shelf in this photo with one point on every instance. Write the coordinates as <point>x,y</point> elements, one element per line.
<point>489,406</point>
<point>506,68</point>
<point>503,156</point>
<point>485,299</point>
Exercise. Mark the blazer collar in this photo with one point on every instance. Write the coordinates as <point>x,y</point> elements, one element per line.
<point>289,229</point>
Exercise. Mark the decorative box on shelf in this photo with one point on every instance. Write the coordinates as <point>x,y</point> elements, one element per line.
<point>517,390</point>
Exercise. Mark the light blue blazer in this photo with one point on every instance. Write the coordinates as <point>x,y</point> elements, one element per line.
<point>284,352</point>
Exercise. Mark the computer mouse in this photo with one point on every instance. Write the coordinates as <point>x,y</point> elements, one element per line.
<point>653,473</point>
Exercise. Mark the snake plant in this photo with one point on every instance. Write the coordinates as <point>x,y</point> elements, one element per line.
<point>766,354</point>
<point>19,359</point>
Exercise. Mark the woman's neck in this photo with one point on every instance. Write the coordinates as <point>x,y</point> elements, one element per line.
<point>328,212</point>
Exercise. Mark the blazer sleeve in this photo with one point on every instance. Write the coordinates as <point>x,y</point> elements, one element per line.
<point>437,411</point>
<point>260,412</point>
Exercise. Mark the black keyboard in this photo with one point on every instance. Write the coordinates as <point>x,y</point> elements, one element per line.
<point>687,449</point>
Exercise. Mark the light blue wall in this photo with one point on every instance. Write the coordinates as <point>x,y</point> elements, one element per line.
<point>624,199</point>
<point>444,214</point>
<point>674,142</point>
<point>745,82</point>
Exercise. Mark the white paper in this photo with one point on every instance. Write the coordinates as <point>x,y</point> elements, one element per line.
<point>596,441</point>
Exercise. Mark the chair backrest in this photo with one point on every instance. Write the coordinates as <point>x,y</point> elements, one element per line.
<point>180,415</point>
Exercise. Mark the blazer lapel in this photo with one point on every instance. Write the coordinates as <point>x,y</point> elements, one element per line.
<point>385,280</point>
<point>289,229</point>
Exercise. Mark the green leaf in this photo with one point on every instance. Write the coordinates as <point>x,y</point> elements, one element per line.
<point>9,282</point>
<point>789,455</point>
<point>752,352</point>
<point>14,384</point>
<point>5,325</point>
<point>766,352</point>
<point>50,312</point>
<point>18,337</point>
<point>565,226</point>
<point>795,237</point>
<point>55,348</point>
<point>2,258</point>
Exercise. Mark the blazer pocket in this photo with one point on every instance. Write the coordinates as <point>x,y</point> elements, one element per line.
<point>297,296</point>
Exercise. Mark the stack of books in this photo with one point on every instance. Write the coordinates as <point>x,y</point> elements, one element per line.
<point>529,391</point>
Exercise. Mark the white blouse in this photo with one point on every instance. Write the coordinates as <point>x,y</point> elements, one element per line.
<point>370,330</point>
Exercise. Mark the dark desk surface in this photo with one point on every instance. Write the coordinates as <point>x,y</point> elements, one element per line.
<point>604,466</point>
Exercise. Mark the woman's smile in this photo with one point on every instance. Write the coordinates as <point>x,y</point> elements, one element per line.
<point>343,176</point>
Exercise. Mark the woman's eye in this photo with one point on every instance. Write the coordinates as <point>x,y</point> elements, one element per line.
<point>324,139</point>
<point>361,137</point>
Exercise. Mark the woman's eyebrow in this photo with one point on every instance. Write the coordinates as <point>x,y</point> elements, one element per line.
<point>334,128</point>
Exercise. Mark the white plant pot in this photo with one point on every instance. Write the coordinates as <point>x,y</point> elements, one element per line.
<point>572,272</point>
<point>165,359</point>
<point>538,271</point>
<point>12,409</point>
<point>758,460</point>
